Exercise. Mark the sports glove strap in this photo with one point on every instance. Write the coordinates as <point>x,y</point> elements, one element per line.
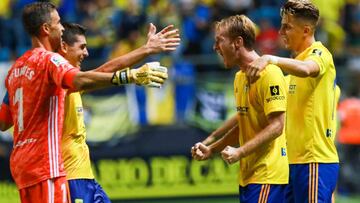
<point>121,77</point>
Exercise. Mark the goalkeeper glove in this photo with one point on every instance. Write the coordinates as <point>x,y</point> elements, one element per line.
<point>150,74</point>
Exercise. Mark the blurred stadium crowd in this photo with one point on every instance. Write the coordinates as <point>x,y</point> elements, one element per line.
<point>116,27</point>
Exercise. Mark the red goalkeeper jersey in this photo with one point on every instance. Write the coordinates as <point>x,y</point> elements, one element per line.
<point>36,97</point>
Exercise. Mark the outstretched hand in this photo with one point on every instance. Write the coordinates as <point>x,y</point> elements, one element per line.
<point>165,40</point>
<point>150,74</point>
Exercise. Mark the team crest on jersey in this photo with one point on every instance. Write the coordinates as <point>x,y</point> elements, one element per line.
<point>317,52</point>
<point>57,60</point>
<point>246,88</point>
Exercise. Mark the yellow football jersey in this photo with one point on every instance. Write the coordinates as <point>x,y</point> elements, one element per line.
<point>75,151</point>
<point>254,102</point>
<point>310,128</point>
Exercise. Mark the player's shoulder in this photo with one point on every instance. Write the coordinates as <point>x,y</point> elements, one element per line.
<point>272,70</point>
<point>270,74</point>
<point>55,59</point>
<point>318,49</point>
<point>33,57</point>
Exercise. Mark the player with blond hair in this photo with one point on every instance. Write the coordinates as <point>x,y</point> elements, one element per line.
<point>261,106</point>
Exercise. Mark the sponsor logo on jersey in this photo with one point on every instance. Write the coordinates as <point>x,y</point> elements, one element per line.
<point>275,94</point>
<point>27,141</point>
<point>57,60</point>
<point>274,90</point>
<point>292,89</point>
<point>283,151</point>
<point>242,109</point>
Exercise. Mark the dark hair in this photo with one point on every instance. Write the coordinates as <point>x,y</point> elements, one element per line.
<point>70,32</point>
<point>239,25</point>
<point>35,15</point>
<point>302,9</point>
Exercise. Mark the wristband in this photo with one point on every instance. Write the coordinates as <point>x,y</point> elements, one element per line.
<point>273,60</point>
<point>121,77</point>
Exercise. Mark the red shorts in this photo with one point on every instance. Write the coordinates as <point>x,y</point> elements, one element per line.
<point>48,191</point>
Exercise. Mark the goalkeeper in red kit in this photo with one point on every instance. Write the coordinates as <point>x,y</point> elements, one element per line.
<point>35,104</point>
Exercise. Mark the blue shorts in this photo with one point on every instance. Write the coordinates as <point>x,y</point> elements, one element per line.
<point>87,191</point>
<point>266,193</point>
<point>314,182</point>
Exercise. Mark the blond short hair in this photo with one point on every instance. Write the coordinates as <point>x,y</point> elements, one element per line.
<point>238,26</point>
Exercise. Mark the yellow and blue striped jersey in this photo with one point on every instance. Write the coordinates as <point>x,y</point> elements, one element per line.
<point>75,151</point>
<point>311,115</point>
<point>254,102</point>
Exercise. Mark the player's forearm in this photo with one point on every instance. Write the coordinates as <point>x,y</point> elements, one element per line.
<point>295,67</point>
<point>265,136</point>
<point>124,61</point>
<point>231,138</point>
<point>228,125</point>
<point>91,80</point>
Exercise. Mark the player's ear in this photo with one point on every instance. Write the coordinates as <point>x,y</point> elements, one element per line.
<point>238,42</point>
<point>307,30</point>
<point>45,29</point>
<point>63,48</point>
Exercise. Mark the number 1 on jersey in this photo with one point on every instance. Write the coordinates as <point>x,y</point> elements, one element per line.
<point>19,98</point>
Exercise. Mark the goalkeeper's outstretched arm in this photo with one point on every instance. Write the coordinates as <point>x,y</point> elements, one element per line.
<point>150,74</point>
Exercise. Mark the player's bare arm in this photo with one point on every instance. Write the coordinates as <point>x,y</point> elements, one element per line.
<point>219,132</point>
<point>273,130</point>
<point>202,152</point>
<point>308,68</point>
<point>168,39</point>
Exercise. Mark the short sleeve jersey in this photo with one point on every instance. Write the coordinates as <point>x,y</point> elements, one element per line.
<point>36,99</point>
<point>311,116</point>
<point>254,102</point>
